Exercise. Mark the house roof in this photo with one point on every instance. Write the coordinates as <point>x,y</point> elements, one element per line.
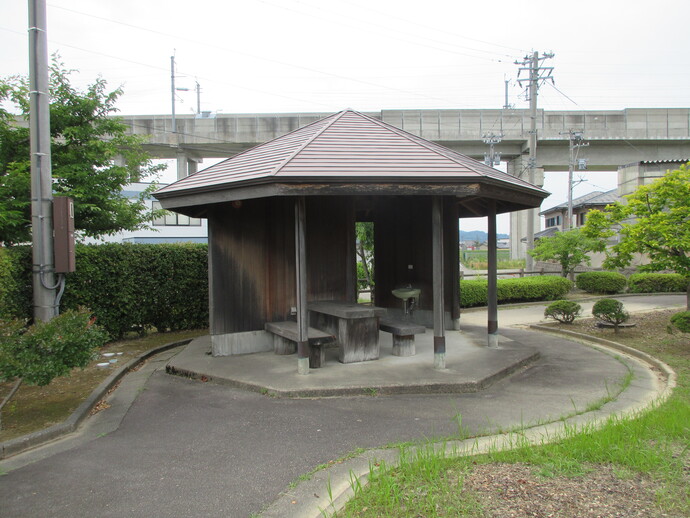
<point>347,149</point>
<point>592,199</point>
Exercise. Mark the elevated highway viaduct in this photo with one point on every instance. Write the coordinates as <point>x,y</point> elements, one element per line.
<point>616,138</point>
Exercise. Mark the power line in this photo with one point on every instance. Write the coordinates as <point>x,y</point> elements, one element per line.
<point>339,20</point>
<point>246,54</point>
<point>436,29</point>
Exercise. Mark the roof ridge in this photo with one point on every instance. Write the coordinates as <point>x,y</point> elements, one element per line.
<point>299,148</point>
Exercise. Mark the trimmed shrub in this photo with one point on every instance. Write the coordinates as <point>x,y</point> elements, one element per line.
<point>128,287</point>
<point>601,282</point>
<point>15,282</point>
<point>475,292</point>
<point>657,283</point>
<point>47,350</point>
<point>611,311</point>
<point>564,311</point>
<point>681,321</point>
<point>131,287</point>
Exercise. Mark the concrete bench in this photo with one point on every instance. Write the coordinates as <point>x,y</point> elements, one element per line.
<point>285,341</point>
<point>403,335</point>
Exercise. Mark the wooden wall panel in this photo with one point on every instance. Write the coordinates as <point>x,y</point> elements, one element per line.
<point>239,267</point>
<point>330,221</point>
<point>280,259</point>
<point>402,237</point>
<point>252,253</point>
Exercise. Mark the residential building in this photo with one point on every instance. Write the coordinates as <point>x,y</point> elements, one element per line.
<point>171,228</point>
<point>555,218</point>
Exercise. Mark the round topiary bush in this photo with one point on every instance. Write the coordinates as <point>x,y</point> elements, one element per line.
<point>681,321</point>
<point>601,282</point>
<point>564,311</point>
<point>611,311</point>
<point>657,283</point>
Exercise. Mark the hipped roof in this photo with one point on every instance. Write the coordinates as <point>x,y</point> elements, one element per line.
<point>592,199</point>
<point>348,153</point>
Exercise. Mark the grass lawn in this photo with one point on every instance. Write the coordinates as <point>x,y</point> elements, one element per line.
<point>628,468</point>
<point>33,408</point>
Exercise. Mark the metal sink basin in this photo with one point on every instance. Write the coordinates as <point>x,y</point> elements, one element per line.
<point>406,293</point>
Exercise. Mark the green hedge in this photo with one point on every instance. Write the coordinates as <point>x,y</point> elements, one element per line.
<point>681,321</point>
<point>475,292</point>
<point>657,282</point>
<point>128,286</point>
<point>15,283</point>
<point>601,282</point>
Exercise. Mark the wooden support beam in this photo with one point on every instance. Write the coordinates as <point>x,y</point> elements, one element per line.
<point>452,251</point>
<point>437,263</point>
<point>492,324</point>
<point>301,285</point>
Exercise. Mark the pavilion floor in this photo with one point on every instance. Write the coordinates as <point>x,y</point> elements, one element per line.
<point>470,366</point>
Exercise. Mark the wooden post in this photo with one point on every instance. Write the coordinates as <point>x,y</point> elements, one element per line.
<point>301,285</point>
<point>492,273</point>
<point>437,262</point>
<point>452,261</point>
<point>351,287</point>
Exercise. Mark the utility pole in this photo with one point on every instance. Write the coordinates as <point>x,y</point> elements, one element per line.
<point>198,98</point>
<point>43,274</point>
<point>576,141</point>
<point>172,91</point>
<point>507,105</point>
<point>538,74</point>
<point>492,157</point>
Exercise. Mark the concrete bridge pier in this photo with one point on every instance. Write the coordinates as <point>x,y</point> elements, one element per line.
<point>518,220</point>
<point>186,164</point>
<point>120,161</point>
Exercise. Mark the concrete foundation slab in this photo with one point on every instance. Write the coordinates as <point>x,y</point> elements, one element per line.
<point>469,366</point>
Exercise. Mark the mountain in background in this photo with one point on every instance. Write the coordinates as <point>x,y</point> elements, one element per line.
<point>478,235</point>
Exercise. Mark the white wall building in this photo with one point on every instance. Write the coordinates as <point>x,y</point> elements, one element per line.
<point>173,228</point>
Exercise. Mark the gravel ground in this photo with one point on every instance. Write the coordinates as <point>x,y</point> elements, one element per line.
<point>517,491</point>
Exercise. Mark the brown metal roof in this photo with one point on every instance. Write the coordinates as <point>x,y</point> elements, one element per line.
<point>345,147</point>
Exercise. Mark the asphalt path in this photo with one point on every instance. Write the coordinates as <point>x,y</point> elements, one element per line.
<point>186,448</point>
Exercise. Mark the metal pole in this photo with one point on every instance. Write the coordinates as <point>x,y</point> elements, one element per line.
<point>301,285</point>
<point>533,89</point>
<point>437,262</point>
<point>569,224</point>
<point>172,91</point>
<point>492,274</point>
<point>43,279</point>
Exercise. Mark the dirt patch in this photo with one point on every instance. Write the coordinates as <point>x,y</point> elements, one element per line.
<point>652,333</point>
<point>517,491</point>
<point>33,408</point>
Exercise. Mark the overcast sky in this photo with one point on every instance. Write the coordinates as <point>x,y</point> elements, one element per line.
<point>267,56</point>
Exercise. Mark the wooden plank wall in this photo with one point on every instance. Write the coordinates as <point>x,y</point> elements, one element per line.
<point>253,259</point>
<point>402,236</point>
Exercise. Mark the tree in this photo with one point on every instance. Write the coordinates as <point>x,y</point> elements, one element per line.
<point>86,140</point>
<point>654,220</point>
<point>569,248</point>
<point>365,249</point>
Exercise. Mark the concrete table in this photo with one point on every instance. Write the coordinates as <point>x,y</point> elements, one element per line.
<point>355,326</point>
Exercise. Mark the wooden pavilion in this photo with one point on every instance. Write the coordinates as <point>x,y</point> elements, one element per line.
<point>282,228</point>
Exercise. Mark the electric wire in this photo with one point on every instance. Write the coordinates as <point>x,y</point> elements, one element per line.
<point>244,53</point>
